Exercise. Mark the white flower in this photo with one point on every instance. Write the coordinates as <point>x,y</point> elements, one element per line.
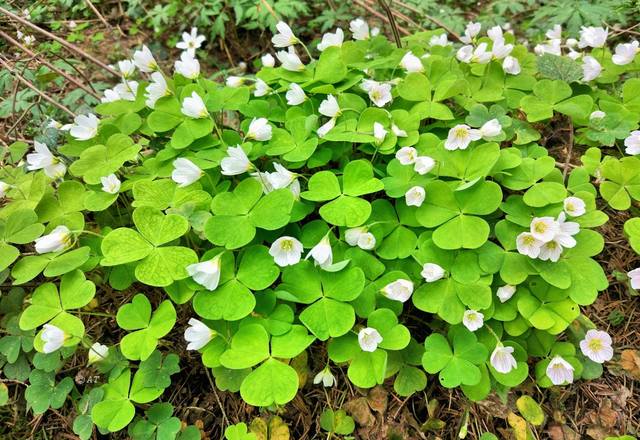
<point>325,377</point>
<point>322,253</point>
<point>407,155</point>
<point>591,68</point>
<point>379,132</point>
<point>29,40</point>
<point>43,159</point>
<point>191,41</point>
<point>551,250</point>
<point>110,95</point>
<point>472,320</point>
<point>188,66</point>
<point>290,61</point>
<point>597,114</point>
<point>511,65</point>
<point>500,50</point>
<point>495,34</point>
<point>379,93</point>
<point>281,178</point>
<point>360,237</point>
<point>552,47</point>
<point>369,338</point>
<point>470,32</point>
<point>84,127</point>
<point>398,290</point>
<point>424,164</point>
<point>126,90</point>
<point>234,81</point>
<point>432,272</point>
<point>554,33</point>
<point>597,346</point>
<point>591,36</point>
<point>58,126</point>
<point>574,206</point>
<point>574,55</point>
<point>411,63</point>
<point>259,129</point>
<point>567,230</point>
<point>559,371</point>
<point>398,131</point>
<point>505,292</point>
<point>571,42</point>
<point>262,88</point>
<point>439,40</point>
<point>144,60</point>
<point>330,39</point>
<point>185,172</point>
<point>502,359</point>
<point>206,273</point>
<point>97,353</point>
<point>268,60</point>
<point>415,196</point>
<point>544,228</point>
<point>284,37</point>
<point>236,162</point>
<point>360,29</point>
<point>528,245</point>
<point>491,129</point>
<point>193,106</point>
<point>53,338</point>
<point>467,54</point>
<point>110,184</point>
<point>4,187</point>
<point>198,334</point>
<point>156,89</point>
<point>126,68</point>
<point>55,241</point>
<point>634,278</point>
<point>295,95</point>
<point>625,53</point>
<point>326,127</point>
<point>632,143</point>
<point>460,137</point>
<point>329,107</point>
<point>286,251</point>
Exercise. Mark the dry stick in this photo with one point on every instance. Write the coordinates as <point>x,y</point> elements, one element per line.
<point>34,88</point>
<point>381,16</point>
<point>392,22</point>
<point>66,44</point>
<point>567,161</point>
<point>99,15</point>
<point>430,18</point>
<point>47,63</point>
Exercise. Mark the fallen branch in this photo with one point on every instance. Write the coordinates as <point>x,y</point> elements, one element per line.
<point>63,42</point>
<point>47,63</point>
<point>34,88</point>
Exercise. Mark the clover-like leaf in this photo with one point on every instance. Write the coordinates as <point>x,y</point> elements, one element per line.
<point>148,327</point>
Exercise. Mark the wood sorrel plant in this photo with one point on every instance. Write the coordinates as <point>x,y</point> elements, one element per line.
<point>328,201</point>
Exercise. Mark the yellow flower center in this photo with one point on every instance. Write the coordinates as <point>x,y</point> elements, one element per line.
<point>595,344</point>
<point>286,245</point>
<point>540,227</point>
<point>460,132</point>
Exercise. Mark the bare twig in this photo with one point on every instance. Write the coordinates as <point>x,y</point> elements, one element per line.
<point>434,20</point>
<point>34,88</point>
<point>392,22</point>
<point>567,161</point>
<point>99,15</point>
<point>47,63</point>
<point>381,16</point>
<point>63,42</point>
